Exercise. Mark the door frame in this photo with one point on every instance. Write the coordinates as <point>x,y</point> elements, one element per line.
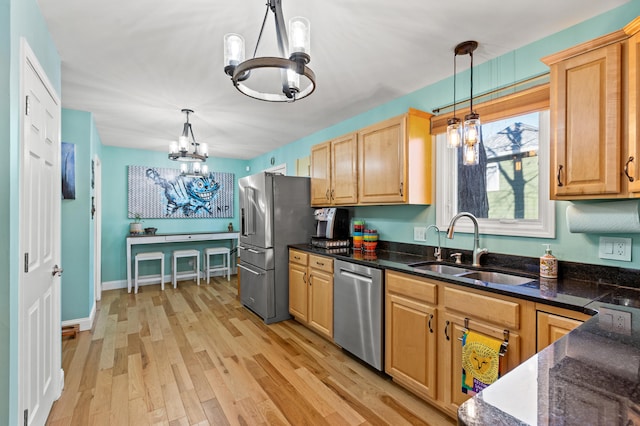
<point>97,228</point>
<point>29,59</point>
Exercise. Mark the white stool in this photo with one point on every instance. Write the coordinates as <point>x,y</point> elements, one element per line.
<point>195,273</point>
<point>154,255</point>
<point>224,266</point>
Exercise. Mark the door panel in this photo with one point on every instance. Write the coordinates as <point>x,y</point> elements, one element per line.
<point>39,317</point>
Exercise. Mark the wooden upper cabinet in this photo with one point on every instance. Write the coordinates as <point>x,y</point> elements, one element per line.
<point>344,172</point>
<point>594,117</point>
<point>632,160</point>
<point>586,104</point>
<point>320,174</point>
<point>394,161</point>
<point>334,176</point>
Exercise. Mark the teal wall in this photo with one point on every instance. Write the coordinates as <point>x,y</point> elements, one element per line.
<point>18,18</point>
<point>395,223</point>
<point>77,292</point>
<point>115,221</point>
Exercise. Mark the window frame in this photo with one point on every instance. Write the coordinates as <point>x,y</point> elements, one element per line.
<point>532,100</point>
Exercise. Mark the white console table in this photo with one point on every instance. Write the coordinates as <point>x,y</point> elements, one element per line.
<point>172,239</point>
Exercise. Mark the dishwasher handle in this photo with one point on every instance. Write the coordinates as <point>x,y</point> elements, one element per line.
<point>355,276</point>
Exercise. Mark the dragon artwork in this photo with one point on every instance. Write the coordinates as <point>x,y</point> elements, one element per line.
<point>187,194</point>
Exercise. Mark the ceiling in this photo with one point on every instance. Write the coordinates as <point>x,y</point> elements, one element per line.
<point>136,64</point>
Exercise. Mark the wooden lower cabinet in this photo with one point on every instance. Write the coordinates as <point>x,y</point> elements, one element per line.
<point>425,320</point>
<point>453,327</point>
<point>311,291</point>
<point>553,323</point>
<point>411,324</point>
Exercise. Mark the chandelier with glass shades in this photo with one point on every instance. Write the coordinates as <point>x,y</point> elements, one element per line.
<point>189,152</point>
<point>293,79</point>
<point>467,134</point>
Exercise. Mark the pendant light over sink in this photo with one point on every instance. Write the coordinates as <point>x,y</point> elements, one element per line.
<point>188,151</point>
<point>295,79</point>
<point>467,134</point>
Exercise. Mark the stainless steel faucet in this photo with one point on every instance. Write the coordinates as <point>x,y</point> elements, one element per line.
<point>477,251</point>
<point>437,252</point>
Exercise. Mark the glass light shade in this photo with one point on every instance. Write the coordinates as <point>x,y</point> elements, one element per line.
<point>184,168</point>
<point>196,167</point>
<point>454,133</point>
<point>293,79</point>
<point>472,129</point>
<point>470,154</point>
<point>233,49</point>
<point>183,143</point>
<point>203,149</point>
<point>299,35</point>
<point>173,147</point>
<point>204,169</point>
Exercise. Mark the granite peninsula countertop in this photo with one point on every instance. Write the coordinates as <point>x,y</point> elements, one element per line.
<point>591,376</point>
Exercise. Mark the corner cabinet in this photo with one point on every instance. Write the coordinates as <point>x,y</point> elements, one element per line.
<point>594,115</point>
<point>311,291</point>
<point>386,163</point>
<point>554,323</point>
<point>334,178</point>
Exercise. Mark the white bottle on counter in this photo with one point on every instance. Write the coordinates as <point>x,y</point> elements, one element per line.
<point>548,264</point>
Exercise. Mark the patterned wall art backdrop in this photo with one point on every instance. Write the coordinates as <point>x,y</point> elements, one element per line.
<point>156,192</point>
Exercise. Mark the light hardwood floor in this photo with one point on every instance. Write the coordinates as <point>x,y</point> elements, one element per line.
<point>194,355</point>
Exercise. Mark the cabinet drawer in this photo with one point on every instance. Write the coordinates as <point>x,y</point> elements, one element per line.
<point>412,287</point>
<point>300,257</point>
<point>488,308</point>
<point>321,262</point>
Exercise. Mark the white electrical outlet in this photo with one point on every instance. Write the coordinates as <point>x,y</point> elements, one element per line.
<point>419,233</point>
<point>615,320</point>
<point>615,248</point>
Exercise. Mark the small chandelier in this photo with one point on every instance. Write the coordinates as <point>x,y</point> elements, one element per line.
<point>466,134</point>
<point>187,150</point>
<point>297,46</point>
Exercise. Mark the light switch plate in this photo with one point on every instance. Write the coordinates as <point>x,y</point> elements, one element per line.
<point>419,233</point>
<point>615,248</point>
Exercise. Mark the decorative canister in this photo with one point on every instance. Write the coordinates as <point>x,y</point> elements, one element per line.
<point>370,239</point>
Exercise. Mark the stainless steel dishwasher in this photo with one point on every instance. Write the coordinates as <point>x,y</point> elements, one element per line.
<point>358,311</point>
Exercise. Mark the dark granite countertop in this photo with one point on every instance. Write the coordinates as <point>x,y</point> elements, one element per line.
<point>590,376</point>
<point>569,291</point>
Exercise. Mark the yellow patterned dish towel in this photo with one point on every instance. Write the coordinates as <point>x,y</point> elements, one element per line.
<point>480,361</point>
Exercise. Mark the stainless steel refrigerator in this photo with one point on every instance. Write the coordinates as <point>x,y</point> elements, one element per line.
<point>275,212</point>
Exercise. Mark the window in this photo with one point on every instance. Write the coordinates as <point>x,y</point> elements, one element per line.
<point>509,190</point>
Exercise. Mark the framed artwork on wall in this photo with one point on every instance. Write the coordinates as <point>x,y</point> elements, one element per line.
<point>156,192</point>
<point>68,170</point>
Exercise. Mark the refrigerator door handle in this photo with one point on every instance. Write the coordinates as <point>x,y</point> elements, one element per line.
<point>250,228</point>
<point>248,270</point>
<point>254,251</point>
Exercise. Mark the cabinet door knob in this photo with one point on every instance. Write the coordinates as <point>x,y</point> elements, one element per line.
<point>559,170</point>
<point>304,278</point>
<point>626,169</point>
<point>429,325</point>
<point>327,194</point>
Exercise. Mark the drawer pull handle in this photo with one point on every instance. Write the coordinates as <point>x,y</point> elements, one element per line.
<point>626,169</point>
<point>429,325</point>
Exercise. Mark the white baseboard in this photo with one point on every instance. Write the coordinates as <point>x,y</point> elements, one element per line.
<point>119,284</point>
<point>84,323</point>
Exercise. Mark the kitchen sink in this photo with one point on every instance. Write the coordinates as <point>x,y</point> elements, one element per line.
<point>439,268</point>
<point>496,278</point>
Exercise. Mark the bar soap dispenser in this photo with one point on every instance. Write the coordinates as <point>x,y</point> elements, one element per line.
<point>548,264</point>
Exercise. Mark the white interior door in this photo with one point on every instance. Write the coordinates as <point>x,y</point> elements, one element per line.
<point>39,338</point>
<point>97,236</point>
